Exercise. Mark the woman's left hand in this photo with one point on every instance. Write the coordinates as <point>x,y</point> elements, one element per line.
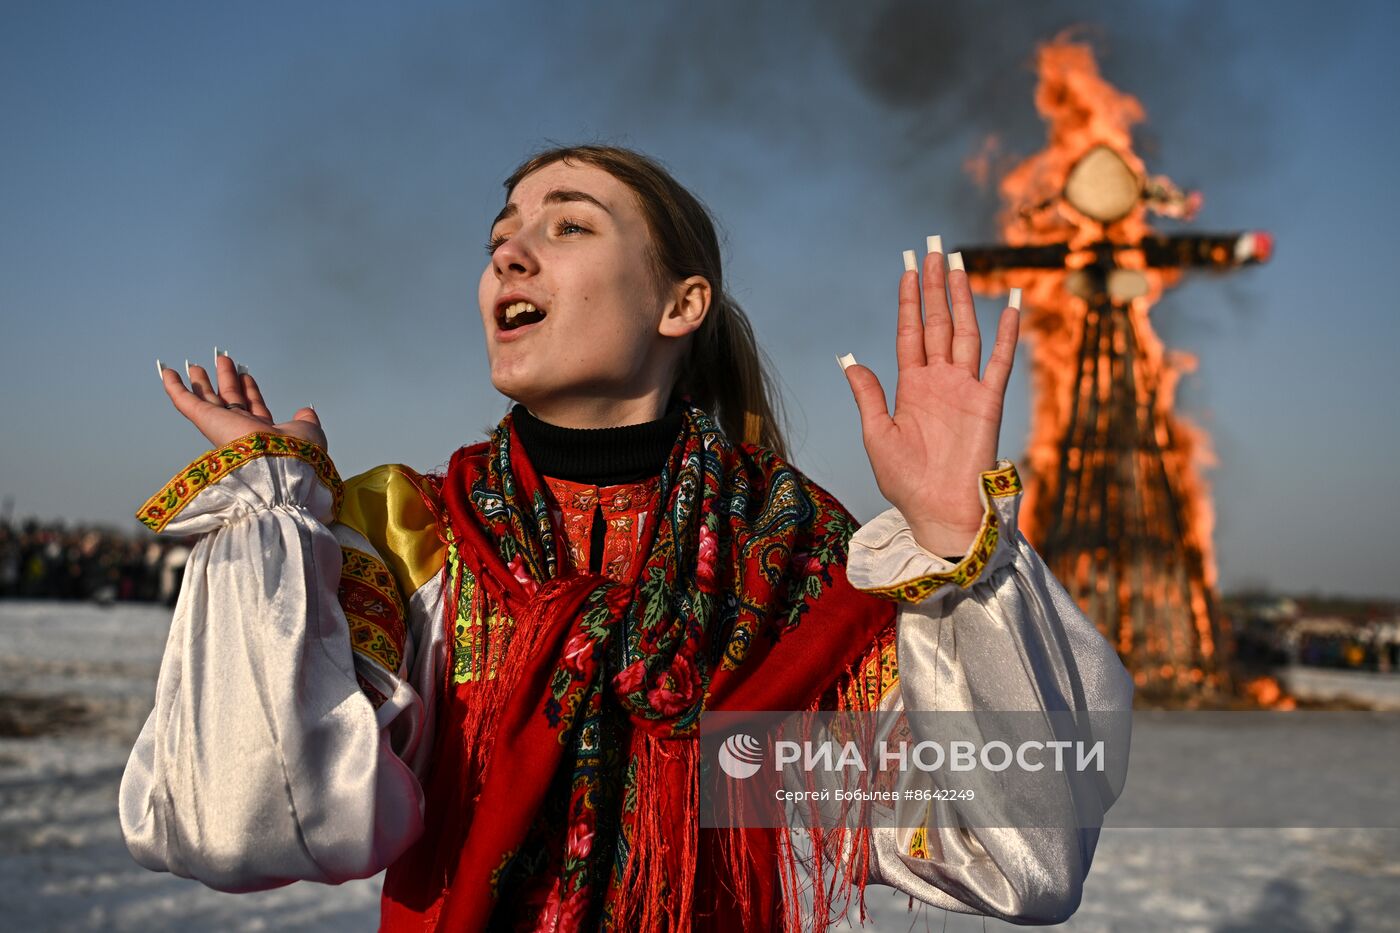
<point>946,420</point>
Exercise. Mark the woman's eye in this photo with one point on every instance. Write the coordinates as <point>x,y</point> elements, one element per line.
<point>562,227</point>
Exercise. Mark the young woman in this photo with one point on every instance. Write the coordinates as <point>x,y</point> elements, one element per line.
<point>489,679</point>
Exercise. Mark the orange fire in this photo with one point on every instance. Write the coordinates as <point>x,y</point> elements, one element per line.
<point>1159,610</point>
<point>1268,692</point>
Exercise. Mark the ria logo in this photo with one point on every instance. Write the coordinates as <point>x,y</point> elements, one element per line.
<point>740,756</point>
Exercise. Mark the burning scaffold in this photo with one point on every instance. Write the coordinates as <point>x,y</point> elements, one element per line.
<point>1115,502</point>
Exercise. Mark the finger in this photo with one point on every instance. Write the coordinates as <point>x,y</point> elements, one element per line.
<point>200,385</point>
<point>967,338</point>
<point>253,394</point>
<point>186,402</point>
<point>230,383</point>
<point>1003,351</point>
<point>307,414</point>
<point>870,399</point>
<point>938,324</point>
<point>909,329</point>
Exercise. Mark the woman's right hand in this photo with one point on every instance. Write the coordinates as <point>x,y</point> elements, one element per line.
<point>233,407</point>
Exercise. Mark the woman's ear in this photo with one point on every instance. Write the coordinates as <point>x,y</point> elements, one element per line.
<point>686,312</point>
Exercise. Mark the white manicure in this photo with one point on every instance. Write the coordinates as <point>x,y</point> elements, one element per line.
<point>847,361</point>
<point>160,369</point>
<point>1015,300</point>
<point>187,371</point>
<point>935,244</point>
<point>242,369</point>
<point>955,261</point>
<point>910,263</point>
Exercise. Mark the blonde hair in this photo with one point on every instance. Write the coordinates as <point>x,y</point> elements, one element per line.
<point>724,370</point>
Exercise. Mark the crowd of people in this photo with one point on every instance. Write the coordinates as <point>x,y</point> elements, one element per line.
<point>1348,634</point>
<point>61,561</point>
<point>1353,647</point>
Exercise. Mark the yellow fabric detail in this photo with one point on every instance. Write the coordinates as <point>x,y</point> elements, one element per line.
<point>874,675</point>
<point>386,505</point>
<point>473,637</point>
<point>996,484</point>
<point>355,564</point>
<point>208,468</point>
<point>370,597</point>
<point>918,843</point>
<point>1002,482</point>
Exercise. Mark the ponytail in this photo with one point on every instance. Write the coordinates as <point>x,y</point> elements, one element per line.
<point>726,373</point>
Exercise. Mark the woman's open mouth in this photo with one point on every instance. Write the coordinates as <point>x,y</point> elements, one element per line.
<point>517,317</point>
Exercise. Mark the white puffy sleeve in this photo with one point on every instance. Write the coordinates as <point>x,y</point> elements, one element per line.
<point>276,751</point>
<point>994,632</point>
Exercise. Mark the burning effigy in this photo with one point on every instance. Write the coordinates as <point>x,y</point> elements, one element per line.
<point>1115,502</point>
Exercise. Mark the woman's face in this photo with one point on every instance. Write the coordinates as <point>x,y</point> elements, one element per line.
<point>572,241</point>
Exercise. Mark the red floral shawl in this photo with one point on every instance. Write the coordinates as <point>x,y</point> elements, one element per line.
<point>575,761</point>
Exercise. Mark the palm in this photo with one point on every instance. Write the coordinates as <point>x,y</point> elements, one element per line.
<point>927,455</point>
<point>206,405</point>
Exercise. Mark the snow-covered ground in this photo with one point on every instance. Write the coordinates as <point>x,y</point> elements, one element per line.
<point>76,681</point>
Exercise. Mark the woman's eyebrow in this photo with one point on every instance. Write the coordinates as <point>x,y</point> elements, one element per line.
<point>556,196</point>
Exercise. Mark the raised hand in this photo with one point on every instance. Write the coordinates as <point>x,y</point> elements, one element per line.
<point>232,406</point>
<point>927,456</point>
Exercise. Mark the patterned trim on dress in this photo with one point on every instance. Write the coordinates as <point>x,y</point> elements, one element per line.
<point>373,609</point>
<point>918,843</point>
<point>469,641</point>
<point>1002,482</point>
<point>998,484</point>
<point>876,674</point>
<point>471,637</point>
<point>213,466</point>
<point>626,509</point>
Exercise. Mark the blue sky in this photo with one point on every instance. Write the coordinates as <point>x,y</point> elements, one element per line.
<point>310,184</point>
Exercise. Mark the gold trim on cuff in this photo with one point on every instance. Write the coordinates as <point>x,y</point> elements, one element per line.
<point>997,484</point>
<point>161,509</point>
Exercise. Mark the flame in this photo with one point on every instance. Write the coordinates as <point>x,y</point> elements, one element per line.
<point>1268,693</point>
<point>1179,646</point>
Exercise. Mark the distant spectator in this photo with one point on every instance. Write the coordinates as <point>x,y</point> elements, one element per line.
<point>57,561</point>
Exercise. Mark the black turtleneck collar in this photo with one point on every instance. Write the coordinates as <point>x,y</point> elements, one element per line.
<point>600,456</point>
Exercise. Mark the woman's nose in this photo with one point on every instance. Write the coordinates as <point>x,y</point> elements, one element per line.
<point>515,255</point>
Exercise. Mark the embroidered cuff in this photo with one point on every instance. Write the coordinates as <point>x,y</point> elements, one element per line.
<point>885,559</point>
<point>294,470</point>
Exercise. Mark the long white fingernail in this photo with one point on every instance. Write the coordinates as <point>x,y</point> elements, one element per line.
<point>187,371</point>
<point>935,244</point>
<point>910,262</point>
<point>160,369</point>
<point>846,361</point>
<point>223,353</point>
<point>955,262</point>
<point>1015,300</point>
